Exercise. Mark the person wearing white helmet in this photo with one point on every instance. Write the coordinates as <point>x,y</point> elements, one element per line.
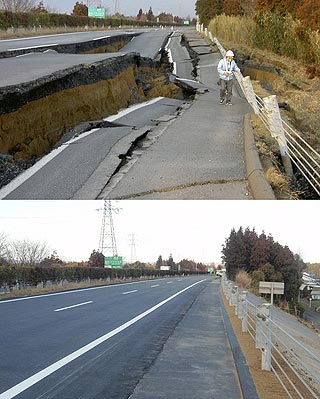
<point>226,68</point>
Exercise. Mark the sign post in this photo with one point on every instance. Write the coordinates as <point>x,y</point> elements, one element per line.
<point>271,287</point>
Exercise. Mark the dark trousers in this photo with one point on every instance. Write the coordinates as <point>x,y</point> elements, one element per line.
<point>226,89</point>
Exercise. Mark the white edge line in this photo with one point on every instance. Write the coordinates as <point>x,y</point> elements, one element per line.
<point>133,108</point>
<point>30,48</point>
<point>41,37</point>
<point>102,37</point>
<point>129,292</point>
<point>22,386</point>
<point>157,285</point>
<point>24,176</point>
<point>73,292</point>
<point>73,306</point>
<point>20,179</point>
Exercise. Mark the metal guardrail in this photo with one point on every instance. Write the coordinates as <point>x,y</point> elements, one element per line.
<point>294,149</point>
<point>295,366</point>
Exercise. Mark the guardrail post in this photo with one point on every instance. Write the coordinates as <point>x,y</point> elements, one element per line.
<point>236,299</point>
<point>264,335</point>
<point>206,32</point>
<point>250,94</point>
<point>211,36</point>
<point>277,131</point>
<point>234,295</point>
<point>245,312</point>
<point>229,291</point>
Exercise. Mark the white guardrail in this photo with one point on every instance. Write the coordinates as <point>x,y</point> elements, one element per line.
<point>296,367</point>
<point>293,147</point>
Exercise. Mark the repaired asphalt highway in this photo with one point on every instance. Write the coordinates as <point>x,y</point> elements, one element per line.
<point>152,339</point>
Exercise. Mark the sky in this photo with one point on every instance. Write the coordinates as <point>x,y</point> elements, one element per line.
<point>195,230</point>
<point>181,8</point>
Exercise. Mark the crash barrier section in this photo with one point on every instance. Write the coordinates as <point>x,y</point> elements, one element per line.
<point>295,366</point>
<point>294,149</point>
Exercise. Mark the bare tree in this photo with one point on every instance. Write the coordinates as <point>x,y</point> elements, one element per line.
<point>3,248</point>
<point>17,5</point>
<point>27,253</point>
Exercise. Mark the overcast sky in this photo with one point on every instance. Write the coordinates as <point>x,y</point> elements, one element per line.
<point>187,229</point>
<point>182,8</point>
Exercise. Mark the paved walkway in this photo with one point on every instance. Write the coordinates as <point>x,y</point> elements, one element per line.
<point>198,362</point>
<point>200,155</point>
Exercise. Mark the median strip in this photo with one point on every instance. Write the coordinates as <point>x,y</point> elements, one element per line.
<point>34,379</point>
<point>72,306</point>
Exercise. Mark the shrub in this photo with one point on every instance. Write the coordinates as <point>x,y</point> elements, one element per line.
<point>243,279</point>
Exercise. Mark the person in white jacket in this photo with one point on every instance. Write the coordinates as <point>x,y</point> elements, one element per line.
<point>226,68</point>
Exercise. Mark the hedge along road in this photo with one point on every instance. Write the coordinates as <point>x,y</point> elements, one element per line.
<point>100,342</point>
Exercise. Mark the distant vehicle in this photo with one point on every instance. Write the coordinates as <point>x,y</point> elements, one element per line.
<point>221,272</point>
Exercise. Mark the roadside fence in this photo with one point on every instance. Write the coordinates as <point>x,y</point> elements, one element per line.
<point>294,149</point>
<point>295,366</point>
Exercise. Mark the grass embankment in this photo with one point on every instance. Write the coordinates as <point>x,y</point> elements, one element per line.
<point>297,83</point>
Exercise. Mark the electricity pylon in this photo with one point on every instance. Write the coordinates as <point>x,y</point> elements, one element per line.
<point>133,248</point>
<point>117,6</point>
<point>107,242</point>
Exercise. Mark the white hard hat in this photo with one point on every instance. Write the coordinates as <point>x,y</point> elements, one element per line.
<point>229,53</point>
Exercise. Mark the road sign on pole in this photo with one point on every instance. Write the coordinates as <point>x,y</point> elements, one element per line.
<point>97,12</point>
<point>271,287</point>
<point>113,262</point>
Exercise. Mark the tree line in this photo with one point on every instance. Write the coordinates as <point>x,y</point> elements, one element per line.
<point>306,11</point>
<point>264,260</point>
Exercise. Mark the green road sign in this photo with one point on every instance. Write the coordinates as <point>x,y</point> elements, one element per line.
<point>114,262</point>
<point>97,12</point>
<point>210,270</point>
<point>186,22</point>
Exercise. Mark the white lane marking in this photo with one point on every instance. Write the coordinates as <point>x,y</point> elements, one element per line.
<point>30,48</point>
<point>40,37</point>
<point>23,177</point>
<point>169,282</point>
<point>180,280</point>
<point>102,37</point>
<point>73,306</point>
<point>157,285</point>
<point>29,382</point>
<point>129,292</point>
<point>131,109</point>
<point>73,292</point>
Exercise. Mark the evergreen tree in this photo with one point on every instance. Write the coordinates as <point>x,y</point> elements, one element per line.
<point>80,10</point>
<point>159,262</point>
<point>150,15</point>
<point>208,9</point>
<point>171,263</point>
<point>40,9</point>
<point>96,259</point>
<point>140,14</point>
<point>232,7</point>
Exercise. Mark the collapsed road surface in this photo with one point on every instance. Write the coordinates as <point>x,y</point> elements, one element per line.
<point>115,341</point>
<point>89,85</point>
<point>201,157</point>
<point>81,167</point>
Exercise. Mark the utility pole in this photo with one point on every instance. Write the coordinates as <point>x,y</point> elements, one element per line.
<point>107,242</point>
